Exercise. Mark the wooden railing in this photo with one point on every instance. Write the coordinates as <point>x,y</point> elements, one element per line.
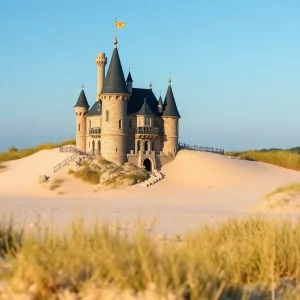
<point>200,148</point>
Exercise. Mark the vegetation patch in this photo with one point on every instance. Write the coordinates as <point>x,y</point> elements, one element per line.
<point>13,153</point>
<point>55,184</point>
<point>108,174</point>
<point>289,158</point>
<point>236,259</point>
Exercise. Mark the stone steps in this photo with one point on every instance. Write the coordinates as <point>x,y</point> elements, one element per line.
<point>155,176</point>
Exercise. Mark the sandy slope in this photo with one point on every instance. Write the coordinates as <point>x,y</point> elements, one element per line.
<point>197,187</point>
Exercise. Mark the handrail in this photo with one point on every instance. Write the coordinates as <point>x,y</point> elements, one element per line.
<point>200,148</point>
<point>64,162</point>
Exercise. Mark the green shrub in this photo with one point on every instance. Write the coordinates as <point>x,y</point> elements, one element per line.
<point>88,175</point>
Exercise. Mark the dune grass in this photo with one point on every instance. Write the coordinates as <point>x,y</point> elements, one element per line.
<point>289,189</point>
<point>228,258</point>
<point>281,158</point>
<point>13,153</point>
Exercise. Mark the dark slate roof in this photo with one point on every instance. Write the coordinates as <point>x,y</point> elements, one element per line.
<point>160,101</point>
<point>114,81</point>
<point>136,101</point>
<point>82,102</point>
<point>145,110</point>
<point>170,107</point>
<point>94,109</point>
<point>129,78</point>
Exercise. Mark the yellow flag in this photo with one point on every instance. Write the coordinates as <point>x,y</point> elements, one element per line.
<point>120,24</point>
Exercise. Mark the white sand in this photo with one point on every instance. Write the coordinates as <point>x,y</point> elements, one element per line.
<point>198,187</point>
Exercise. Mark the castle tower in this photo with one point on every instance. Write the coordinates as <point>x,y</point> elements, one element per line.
<point>81,109</point>
<point>114,97</point>
<point>101,61</point>
<point>170,118</point>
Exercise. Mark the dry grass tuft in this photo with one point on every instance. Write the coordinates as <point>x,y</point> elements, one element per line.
<point>55,184</point>
<point>13,153</point>
<point>281,158</point>
<point>229,260</point>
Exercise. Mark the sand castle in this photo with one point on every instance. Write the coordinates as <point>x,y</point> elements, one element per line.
<point>127,124</point>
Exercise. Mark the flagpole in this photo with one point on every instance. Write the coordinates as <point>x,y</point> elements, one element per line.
<point>116,28</point>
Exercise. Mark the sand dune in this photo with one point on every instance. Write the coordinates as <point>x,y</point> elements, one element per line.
<point>198,187</point>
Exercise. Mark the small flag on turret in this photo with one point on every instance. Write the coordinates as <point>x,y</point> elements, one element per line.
<point>120,24</point>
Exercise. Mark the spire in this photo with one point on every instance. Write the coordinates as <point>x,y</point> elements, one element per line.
<point>170,107</point>
<point>160,103</point>
<point>129,78</point>
<point>82,102</point>
<point>114,82</point>
<point>145,110</point>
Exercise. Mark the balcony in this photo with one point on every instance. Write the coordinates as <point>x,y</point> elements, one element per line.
<point>146,132</point>
<point>95,131</point>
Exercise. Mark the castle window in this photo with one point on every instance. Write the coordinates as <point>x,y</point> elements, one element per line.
<point>107,116</point>
<point>98,106</point>
<point>89,144</point>
<point>130,123</point>
<point>139,146</point>
<point>116,149</point>
<point>147,121</point>
<point>78,127</point>
<point>146,146</point>
<point>120,124</point>
<point>90,123</point>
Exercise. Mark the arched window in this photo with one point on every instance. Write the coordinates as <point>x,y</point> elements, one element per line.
<point>146,146</point>
<point>139,146</point>
<point>78,127</point>
<point>107,116</point>
<point>90,124</point>
<point>152,148</point>
<point>120,124</point>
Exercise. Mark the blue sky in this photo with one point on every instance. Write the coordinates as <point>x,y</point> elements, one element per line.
<point>234,64</point>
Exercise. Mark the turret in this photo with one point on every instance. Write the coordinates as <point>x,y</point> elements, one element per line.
<point>114,96</point>
<point>170,118</point>
<point>101,61</point>
<point>160,105</point>
<point>129,82</point>
<point>81,109</point>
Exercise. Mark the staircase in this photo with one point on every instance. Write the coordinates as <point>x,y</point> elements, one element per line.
<point>155,176</point>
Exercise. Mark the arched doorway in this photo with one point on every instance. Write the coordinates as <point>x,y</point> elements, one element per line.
<point>147,164</point>
<point>99,147</point>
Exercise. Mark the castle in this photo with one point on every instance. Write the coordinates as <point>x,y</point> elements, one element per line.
<point>127,124</point>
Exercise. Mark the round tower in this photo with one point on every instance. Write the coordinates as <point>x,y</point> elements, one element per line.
<point>101,61</point>
<point>170,116</point>
<point>114,126</point>
<point>81,109</point>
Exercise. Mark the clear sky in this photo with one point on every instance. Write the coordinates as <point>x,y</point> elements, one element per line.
<point>234,64</point>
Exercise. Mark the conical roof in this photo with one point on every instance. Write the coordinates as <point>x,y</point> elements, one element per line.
<point>114,82</point>
<point>82,102</point>
<point>170,107</point>
<point>145,110</point>
<point>160,103</point>
<point>129,78</point>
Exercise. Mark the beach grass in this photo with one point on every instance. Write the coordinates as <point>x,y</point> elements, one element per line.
<point>232,259</point>
<point>282,158</point>
<point>13,153</point>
